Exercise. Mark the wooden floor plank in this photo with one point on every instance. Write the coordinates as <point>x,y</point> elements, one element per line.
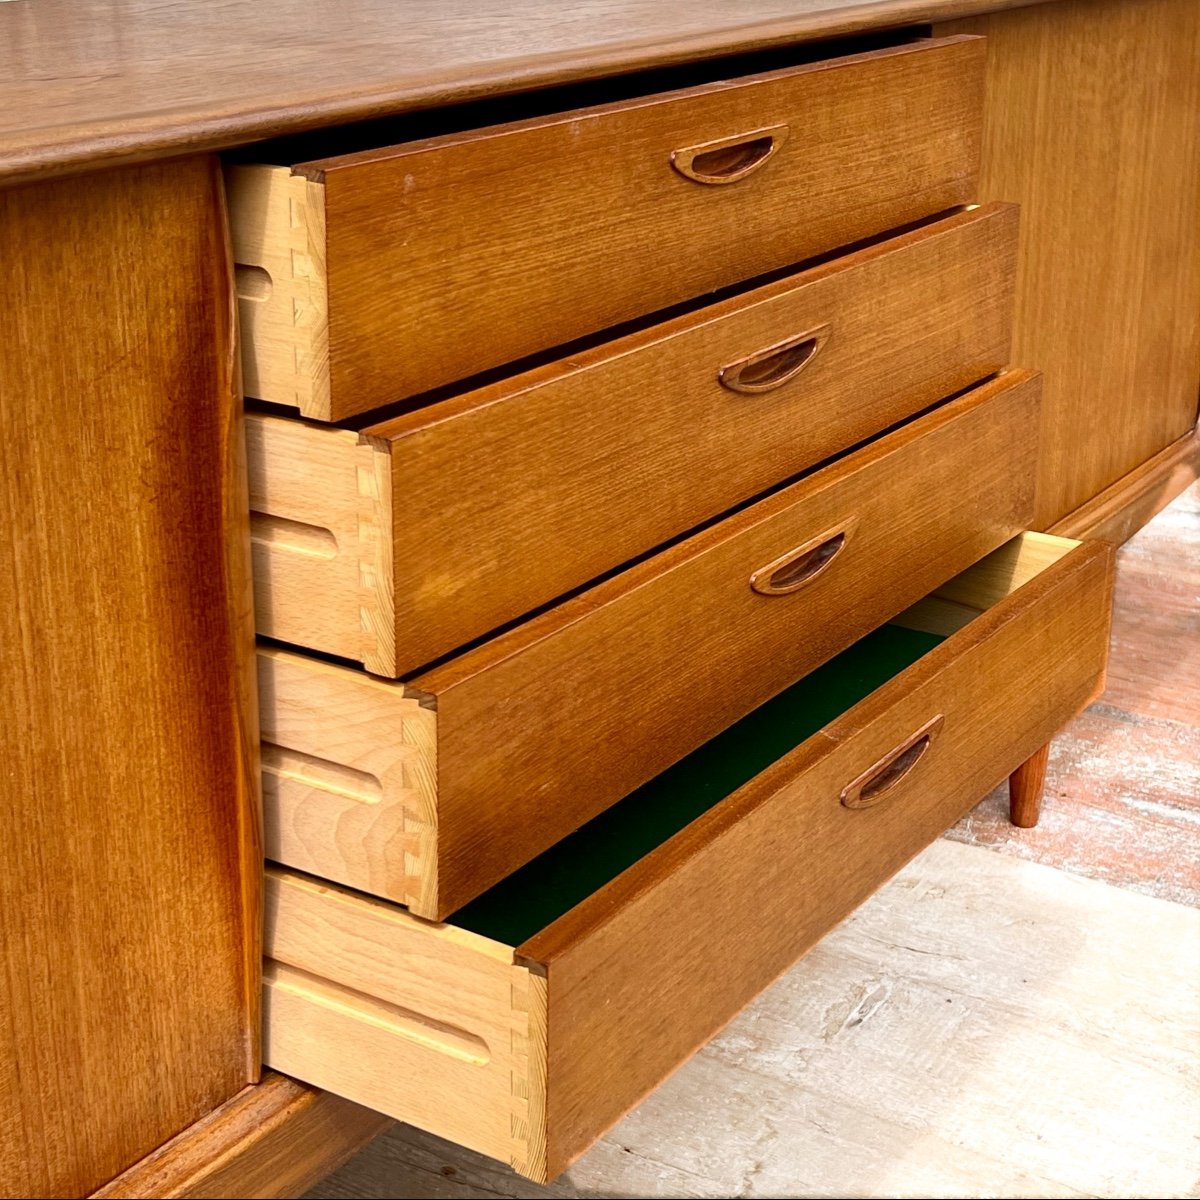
<point>1155,668</point>
<point>1122,804</point>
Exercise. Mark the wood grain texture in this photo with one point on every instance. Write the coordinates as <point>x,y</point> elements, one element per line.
<point>960,600</point>
<point>652,965</point>
<point>1025,786</point>
<point>492,757</point>
<point>847,1031</point>
<point>427,1023</point>
<point>304,533</point>
<point>506,497</point>
<point>278,224</point>
<point>130,895</point>
<point>1123,786</point>
<point>321,514</point>
<point>522,719</point>
<point>1092,110</point>
<point>350,778</point>
<point>408,310</point>
<point>1118,512</point>
<point>275,1138</point>
<point>88,85</point>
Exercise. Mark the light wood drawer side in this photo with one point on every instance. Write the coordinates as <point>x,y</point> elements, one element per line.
<point>436,1025</point>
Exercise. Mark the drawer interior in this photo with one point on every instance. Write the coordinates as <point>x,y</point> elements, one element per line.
<point>553,883</point>
<point>544,890</point>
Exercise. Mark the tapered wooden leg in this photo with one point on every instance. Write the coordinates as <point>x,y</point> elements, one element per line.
<point>1025,786</point>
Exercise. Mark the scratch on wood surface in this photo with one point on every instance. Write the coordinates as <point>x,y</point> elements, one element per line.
<point>869,1005</point>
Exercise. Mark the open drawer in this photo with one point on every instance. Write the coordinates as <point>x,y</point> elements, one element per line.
<point>398,545</point>
<point>536,1017</point>
<point>370,276</point>
<point>430,790</point>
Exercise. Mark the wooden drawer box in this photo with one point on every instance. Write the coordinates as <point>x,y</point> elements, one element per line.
<point>399,545</point>
<point>528,1033</point>
<point>429,791</point>
<point>381,274</point>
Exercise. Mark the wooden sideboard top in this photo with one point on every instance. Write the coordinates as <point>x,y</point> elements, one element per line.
<point>94,83</point>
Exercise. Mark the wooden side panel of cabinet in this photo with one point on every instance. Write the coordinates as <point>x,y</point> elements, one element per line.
<point>1090,124</point>
<point>129,845</point>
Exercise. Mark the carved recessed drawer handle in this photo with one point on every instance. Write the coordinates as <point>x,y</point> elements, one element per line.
<point>799,567</point>
<point>730,159</point>
<point>768,369</point>
<point>252,283</point>
<point>878,781</point>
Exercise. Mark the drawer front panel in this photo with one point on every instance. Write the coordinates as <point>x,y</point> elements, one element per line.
<point>447,257</point>
<point>651,967</point>
<point>543,728</point>
<point>613,996</point>
<point>500,500</point>
<point>486,761</point>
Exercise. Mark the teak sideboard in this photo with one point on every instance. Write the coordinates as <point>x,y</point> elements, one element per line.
<point>583,492</point>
